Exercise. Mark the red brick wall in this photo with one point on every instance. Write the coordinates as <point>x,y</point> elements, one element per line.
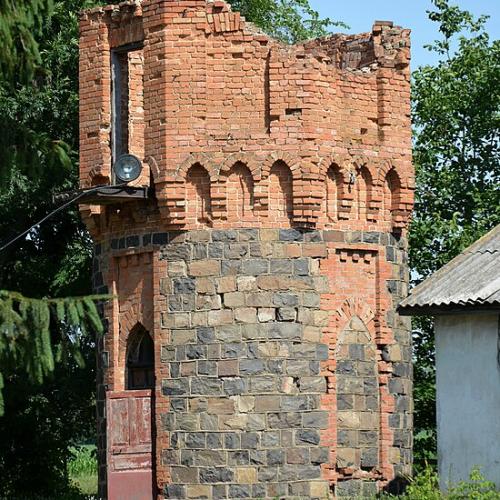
<point>239,131</point>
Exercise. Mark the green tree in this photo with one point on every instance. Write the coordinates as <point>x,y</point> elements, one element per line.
<point>456,115</point>
<point>287,20</point>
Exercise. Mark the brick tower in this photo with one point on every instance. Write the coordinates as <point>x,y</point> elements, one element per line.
<point>253,349</point>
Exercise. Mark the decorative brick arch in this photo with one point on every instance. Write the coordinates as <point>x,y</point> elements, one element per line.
<point>371,164</point>
<point>153,168</point>
<point>248,159</point>
<point>354,306</point>
<point>206,161</point>
<point>341,161</point>
<point>385,166</point>
<point>291,161</point>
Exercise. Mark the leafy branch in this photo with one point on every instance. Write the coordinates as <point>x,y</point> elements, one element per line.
<point>37,333</point>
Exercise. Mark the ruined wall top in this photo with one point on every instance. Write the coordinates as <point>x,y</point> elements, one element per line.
<point>205,88</point>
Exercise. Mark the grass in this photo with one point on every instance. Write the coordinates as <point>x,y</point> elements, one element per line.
<point>82,468</point>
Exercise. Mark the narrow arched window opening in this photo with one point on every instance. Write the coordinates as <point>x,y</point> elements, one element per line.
<point>140,360</point>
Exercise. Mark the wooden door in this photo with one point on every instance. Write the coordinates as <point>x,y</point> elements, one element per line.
<point>129,443</point>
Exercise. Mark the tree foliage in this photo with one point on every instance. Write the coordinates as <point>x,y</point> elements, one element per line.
<point>456,115</point>
<point>287,20</point>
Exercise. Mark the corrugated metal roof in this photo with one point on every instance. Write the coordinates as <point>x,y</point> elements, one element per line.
<point>470,279</point>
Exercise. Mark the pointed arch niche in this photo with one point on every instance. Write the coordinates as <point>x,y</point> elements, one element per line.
<point>198,204</point>
<point>333,192</point>
<point>139,367</point>
<point>392,194</point>
<point>362,192</point>
<point>280,192</point>
<point>240,193</point>
<point>358,401</point>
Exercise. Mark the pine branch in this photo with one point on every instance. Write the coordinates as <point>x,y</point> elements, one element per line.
<point>35,333</point>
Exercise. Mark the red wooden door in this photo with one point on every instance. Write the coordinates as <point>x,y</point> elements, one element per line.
<point>130,458</point>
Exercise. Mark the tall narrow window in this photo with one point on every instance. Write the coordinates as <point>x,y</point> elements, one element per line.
<point>280,192</point>
<point>127,132</point>
<point>140,359</point>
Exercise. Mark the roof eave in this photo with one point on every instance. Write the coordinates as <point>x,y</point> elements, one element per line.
<point>453,309</point>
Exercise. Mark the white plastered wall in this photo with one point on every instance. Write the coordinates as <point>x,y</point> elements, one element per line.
<point>468,396</point>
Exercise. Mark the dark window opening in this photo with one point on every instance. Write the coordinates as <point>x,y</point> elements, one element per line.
<point>125,94</point>
<point>140,360</point>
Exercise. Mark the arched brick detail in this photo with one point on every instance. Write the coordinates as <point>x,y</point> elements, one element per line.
<point>354,306</point>
<point>281,206</point>
<point>248,159</point>
<point>293,163</point>
<point>153,168</point>
<point>206,161</point>
<point>239,186</point>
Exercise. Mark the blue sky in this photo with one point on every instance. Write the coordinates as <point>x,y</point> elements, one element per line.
<point>360,14</point>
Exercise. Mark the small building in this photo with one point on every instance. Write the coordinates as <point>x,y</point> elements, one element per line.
<point>464,297</point>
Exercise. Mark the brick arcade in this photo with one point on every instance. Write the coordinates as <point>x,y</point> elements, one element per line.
<point>254,317</point>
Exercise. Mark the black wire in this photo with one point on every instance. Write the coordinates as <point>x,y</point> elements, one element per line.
<point>62,207</point>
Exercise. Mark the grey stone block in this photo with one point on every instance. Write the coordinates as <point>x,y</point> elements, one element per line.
<point>176,387</point>
<point>176,491</point>
<point>240,491</point>
<point>206,386</point>
<point>205,334</point>
<point>285,299</point>
<point>258,457</point>
<point>286,314</point>
<point>249,440</point>
<point>224,235</point>
<point>228,333</point>
<point>199,251</point>
<point>284,420</point>
<point>248,234</point>
<point>262,384</point>
<point>239,457</point>
<point>254,267</point>
<point>195,440</point>
<point>275,457</point>
<point>214,440</point>
<point>219,491</point>
<point>306,436</point>
<point>301,267</point>
<point>267,474</point>
<point>289,331</point>
<point>233,350</point>
<point>234,386</point>
<point>195,351</point>
<point>312,384</point>
<point>251,366</point>
<point>178,404</point>
<point>216,475</point>
<point>319,455</point>
<point>290,235</point>
<point>181,302</point>
<point>176,252</point>
<point>230,267</point>
<point>207,368</point>
<point>270,439</point>
<point>231,440</point>
<point>315,420</point>
<point>215,250</point>
<point>235,250</point>
<point>281,266</point>
<point>294,403</point>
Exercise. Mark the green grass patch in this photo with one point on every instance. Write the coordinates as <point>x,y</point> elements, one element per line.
<point>82,468</point>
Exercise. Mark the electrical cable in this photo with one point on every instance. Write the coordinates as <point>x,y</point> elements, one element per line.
<point>58,209</point>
